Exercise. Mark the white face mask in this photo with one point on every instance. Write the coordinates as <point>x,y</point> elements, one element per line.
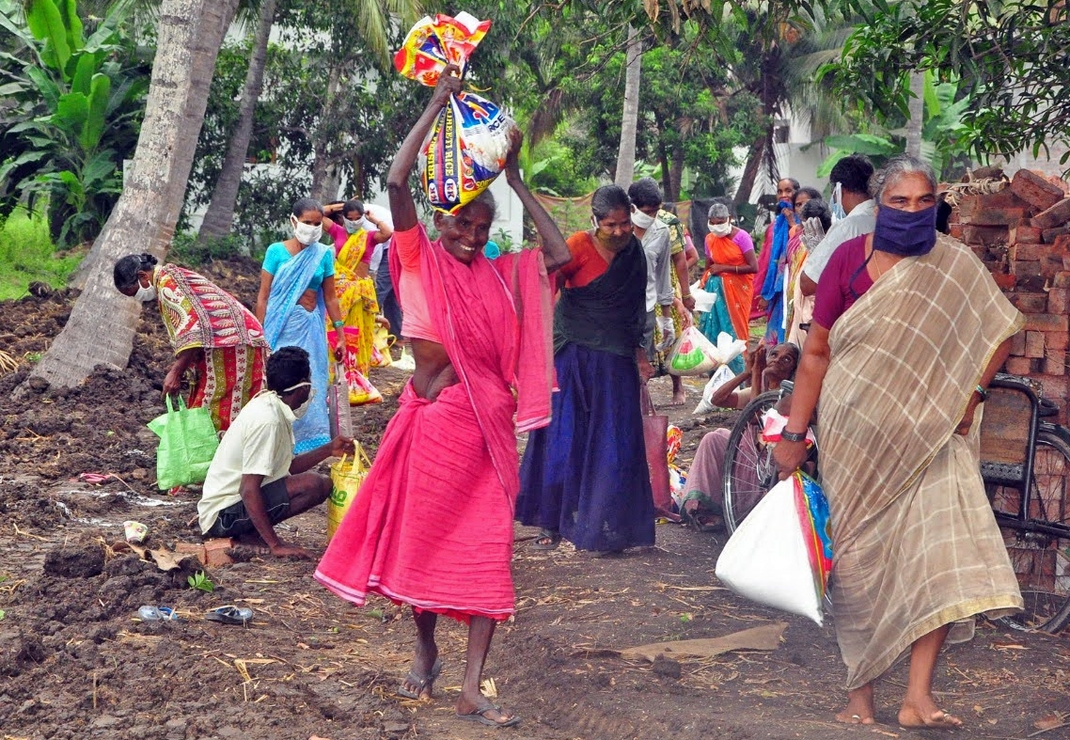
<point>306,233</point>
<point>145,293</point>
<point>352,227</point>
<point>721,229</point>
<point>303,408</point>
<point>642,220</point>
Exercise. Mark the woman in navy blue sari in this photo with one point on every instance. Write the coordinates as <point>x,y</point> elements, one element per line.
<point>584,478</point>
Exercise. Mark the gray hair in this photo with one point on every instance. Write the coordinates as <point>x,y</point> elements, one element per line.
<point>718,210</point>
<point>609,198</point>
<point>894,169</point>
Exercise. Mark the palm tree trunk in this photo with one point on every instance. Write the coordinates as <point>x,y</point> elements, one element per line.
<point>219,218</point>
<point>916,109</point>
<point>321,182</point>
<point>750,170</point>
<point>630,119</point>
<point>100,330</point>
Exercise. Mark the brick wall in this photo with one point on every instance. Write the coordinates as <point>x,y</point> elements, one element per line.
<point>1023,234</point>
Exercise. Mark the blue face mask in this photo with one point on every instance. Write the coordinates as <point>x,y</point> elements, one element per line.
<point>905,233</point>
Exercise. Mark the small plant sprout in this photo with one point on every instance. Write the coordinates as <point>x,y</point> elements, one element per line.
<point>201,582</point>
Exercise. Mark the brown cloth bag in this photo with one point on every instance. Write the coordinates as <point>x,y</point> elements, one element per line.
<point>655,431</point>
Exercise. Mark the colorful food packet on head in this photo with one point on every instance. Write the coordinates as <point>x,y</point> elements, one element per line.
<point>435,42</point>
<point>467,145</point>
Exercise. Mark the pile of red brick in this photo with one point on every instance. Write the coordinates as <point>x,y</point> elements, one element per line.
<point>1023,234</point>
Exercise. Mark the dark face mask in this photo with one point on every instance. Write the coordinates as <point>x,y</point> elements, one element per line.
<point>905,233</point>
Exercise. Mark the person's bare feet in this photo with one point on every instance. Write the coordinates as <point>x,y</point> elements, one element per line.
<point>859,709</point>
<point>923,712</point>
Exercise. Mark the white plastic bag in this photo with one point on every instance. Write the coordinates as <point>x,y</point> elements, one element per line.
<point>766,558</point>
<point>692,354</point>
<point>722,376</point>
<point>727,348</point>
<point>703,301</point>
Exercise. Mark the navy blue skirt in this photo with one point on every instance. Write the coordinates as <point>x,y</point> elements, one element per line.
<point>585,475</point>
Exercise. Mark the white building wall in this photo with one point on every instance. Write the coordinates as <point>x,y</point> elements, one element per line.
<point>510,218</point>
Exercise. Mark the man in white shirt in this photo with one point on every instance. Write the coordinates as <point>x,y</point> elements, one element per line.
<point>654,235</point>
<point>254,481</point>
<point>852,173</point>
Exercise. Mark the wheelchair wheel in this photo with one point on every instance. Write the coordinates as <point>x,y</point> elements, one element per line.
<point>749,470</point>
<point>1041,558</point>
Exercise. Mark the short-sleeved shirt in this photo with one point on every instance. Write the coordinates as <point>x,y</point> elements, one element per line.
<point>260,441</point>
<point>415,315</point>
<point>656,246</point>
<point>861,220</point>
<point>340,236</point>
<point>277,255</point>
<point>844,280</point>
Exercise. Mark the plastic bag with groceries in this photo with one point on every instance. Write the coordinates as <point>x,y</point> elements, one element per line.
<point>468,144</point>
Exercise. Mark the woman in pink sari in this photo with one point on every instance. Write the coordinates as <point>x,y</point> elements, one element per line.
<point>432,526</point>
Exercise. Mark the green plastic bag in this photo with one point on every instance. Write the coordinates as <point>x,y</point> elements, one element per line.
<point>187,444</point>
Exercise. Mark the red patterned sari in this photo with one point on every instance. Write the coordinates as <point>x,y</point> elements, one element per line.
<point>199,314</point>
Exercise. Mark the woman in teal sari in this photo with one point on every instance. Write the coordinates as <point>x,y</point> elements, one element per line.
<point>296,296</point>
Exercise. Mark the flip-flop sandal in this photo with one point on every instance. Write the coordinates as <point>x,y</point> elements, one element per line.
<point>149,613</point>
<point>230,614</point>
<point>552,540</point>
<point>420,682</point>
<point>476,715</point>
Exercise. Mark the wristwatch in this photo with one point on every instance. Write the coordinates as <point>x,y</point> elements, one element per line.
<point>793,436</point>
<point>982,392</point>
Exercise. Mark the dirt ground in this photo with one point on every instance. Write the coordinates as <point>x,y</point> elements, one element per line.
<point>76,662</point>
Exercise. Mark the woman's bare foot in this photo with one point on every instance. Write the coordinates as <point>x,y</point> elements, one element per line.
<point>859,709</point>
<point>679,394</point>
<point>923,712</point>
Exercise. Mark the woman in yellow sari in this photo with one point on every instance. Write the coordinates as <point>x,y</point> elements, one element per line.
<point>356,294</point>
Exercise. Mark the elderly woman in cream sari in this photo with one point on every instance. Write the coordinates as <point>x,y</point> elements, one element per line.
<point>908,330</point>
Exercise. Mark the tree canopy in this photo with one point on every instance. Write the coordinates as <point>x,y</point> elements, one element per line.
<point>1009,57</point>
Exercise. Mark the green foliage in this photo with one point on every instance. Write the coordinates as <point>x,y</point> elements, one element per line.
<point>1009,58</point>
<point>75,107</point>
<point>188,251</point>
<point>945,137</point>
<point>201,582</point>
<point>353,126</point>
<point>28,255</point>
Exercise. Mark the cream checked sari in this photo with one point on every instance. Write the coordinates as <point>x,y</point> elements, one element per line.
<point>916,544</point>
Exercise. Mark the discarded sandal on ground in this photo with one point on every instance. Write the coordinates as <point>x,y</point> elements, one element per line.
<point>547,540</point>
<point>420,682</point>
<point>149,613</point>
<point>230,614</point>
<point>477,715</point>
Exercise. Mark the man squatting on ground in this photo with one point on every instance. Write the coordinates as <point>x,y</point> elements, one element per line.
<point>254,481</point>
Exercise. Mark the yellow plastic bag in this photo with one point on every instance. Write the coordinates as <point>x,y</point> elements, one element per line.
<point>382,340</point>
<point>347,476</point>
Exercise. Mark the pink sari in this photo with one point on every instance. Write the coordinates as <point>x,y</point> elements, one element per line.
<point>432,525</point>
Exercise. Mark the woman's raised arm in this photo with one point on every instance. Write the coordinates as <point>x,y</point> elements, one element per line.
<point>554,248</point>
<point>402,207</point>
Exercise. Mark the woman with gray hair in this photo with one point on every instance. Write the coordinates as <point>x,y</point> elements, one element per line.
<point>730,267</point>
<point>908,330</point>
